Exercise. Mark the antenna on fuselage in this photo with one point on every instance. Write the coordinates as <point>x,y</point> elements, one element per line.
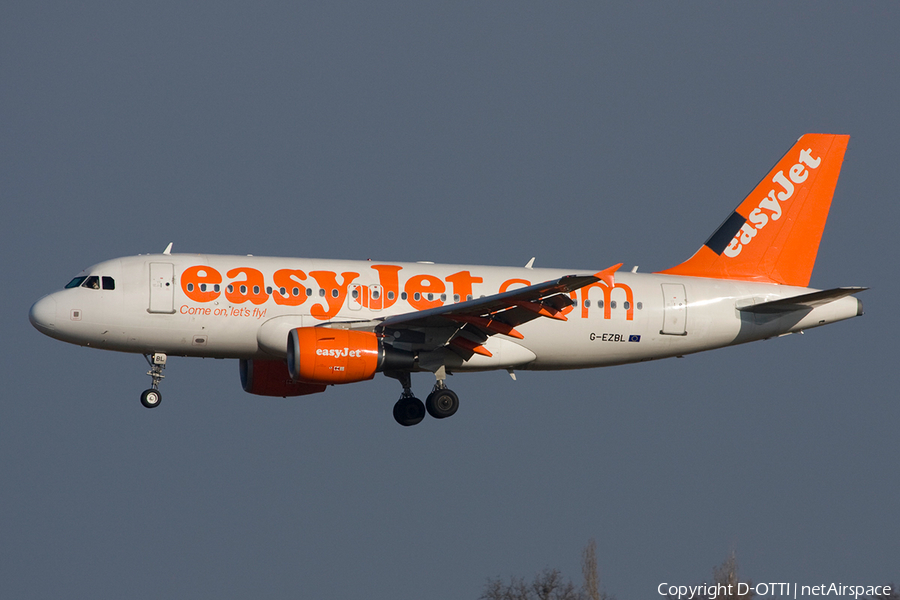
<point>530,264</point>
<point>168,249</point>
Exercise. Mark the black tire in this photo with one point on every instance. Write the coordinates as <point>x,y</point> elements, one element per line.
<point>409,411</point>
<point>442,404</point>
<point>151,398</point>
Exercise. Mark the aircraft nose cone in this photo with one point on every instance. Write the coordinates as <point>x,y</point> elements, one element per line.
<point>43,314</point>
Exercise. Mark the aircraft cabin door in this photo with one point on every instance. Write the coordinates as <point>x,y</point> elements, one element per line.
<point>162,288</point>
<point>674,309</point>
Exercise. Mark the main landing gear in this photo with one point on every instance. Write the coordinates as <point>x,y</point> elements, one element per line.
<point>152,397</point>
<point>440,404</point>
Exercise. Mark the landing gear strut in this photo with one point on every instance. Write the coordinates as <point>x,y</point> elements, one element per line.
<point>440,404</point>
<point>152,397</point>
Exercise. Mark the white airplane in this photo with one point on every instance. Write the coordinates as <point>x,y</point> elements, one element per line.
<point>298,325</point>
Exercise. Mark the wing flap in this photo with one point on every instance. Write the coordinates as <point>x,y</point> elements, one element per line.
<point>465,326</point>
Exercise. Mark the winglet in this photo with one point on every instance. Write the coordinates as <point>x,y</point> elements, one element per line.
<point>606,275</point>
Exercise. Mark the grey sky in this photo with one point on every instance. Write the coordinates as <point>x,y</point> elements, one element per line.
<point>481,133</point>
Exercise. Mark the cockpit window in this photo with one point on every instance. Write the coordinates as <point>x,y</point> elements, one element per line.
<point>75,282</point>
<point>92,282</point>
<point>109,283</point>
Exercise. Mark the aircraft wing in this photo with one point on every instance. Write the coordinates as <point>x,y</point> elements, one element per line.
<point>465,326</point>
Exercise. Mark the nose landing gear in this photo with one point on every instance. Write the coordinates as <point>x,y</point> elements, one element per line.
<point>152,397</point>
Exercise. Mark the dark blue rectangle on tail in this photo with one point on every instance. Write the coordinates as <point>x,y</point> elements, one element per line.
<point>718,241</point>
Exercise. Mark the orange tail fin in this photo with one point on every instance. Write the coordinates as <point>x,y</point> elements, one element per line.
<point>773,236</point>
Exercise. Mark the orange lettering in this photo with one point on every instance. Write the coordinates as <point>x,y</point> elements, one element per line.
<point>607,294</point>
<point>421,285</point>
<point>509,282</point>
<point>193,277</point>
<point>335,293</point>
<point>566,310</point>
<point>390,286</point>
<point>252,289</point>
<point>462,284</point>
<point>289,279</point>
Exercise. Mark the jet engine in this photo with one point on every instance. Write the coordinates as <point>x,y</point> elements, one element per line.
<point>271,378</point>
<point>321,355</point>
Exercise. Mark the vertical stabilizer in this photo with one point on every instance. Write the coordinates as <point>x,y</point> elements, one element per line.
<point>774,235</point>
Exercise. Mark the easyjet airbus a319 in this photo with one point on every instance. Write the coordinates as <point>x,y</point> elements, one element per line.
<point>299,325</point>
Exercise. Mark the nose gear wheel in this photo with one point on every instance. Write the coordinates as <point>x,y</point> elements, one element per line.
<point>151,398</point>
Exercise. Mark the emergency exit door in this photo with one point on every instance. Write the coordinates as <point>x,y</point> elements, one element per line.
<point>674,309</point>
<point>162,288</point>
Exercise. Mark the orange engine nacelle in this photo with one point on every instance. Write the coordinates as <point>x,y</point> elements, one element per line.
<point>271,378</point>
<point>321,355</point>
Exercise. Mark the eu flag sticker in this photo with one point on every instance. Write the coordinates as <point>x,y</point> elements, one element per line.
<point>634,338</point>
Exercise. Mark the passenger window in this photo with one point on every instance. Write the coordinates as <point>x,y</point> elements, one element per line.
<point>75,282</point>
<point>92,283</point>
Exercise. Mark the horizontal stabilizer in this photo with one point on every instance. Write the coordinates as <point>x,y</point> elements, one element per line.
<point>802,301</point>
